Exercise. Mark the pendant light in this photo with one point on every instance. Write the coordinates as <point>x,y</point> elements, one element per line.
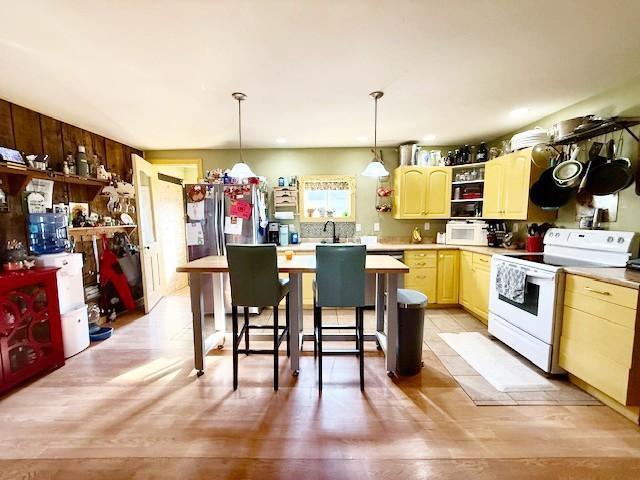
<point>375,167</point>
<point>240,170</point>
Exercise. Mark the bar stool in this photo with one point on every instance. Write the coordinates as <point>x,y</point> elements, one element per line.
<point>253,271</point>
<point>340,279</point>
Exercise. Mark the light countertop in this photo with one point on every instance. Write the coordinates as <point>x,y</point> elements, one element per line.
<point>399,247</point>
<point>616,276</point>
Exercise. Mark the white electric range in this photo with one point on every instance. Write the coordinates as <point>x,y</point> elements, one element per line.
<point>533,327</point>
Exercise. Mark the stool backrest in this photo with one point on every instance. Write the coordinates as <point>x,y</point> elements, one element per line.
<point>253,271</point>
<point>340,275</point>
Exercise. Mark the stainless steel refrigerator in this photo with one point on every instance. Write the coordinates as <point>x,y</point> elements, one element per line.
<point>217,203</point>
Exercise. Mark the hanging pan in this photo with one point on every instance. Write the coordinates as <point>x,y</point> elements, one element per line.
<point>545,193</point>
<point>613,176</point>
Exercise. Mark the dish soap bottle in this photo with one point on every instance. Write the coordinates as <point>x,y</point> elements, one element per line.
<point>82,165</point>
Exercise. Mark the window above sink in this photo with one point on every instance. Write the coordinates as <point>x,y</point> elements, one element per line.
<point>327,197</point>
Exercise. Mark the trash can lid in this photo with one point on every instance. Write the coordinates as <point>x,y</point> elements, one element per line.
<point>411,299</point>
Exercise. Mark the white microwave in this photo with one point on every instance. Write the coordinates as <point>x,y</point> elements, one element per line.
<point>466,233</point>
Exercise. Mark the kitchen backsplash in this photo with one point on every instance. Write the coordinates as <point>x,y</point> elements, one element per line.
<point>316,230</point>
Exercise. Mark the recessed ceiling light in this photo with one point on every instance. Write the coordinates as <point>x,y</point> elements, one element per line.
<point>362,138</point>
<point>429,137</point>
<point>281,141</point>
<point>520,112</point>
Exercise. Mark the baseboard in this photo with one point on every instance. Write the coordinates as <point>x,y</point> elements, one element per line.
<point>631,413</point>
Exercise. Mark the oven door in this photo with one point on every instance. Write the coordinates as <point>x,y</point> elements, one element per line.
<point>536,315</point>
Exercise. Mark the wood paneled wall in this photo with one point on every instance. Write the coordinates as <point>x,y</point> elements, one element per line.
<point>34,133</point>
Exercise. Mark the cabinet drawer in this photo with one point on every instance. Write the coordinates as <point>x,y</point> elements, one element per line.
<point>599,335</point>
<point>599,371</point>
<point>626,297</point>
<point>418,275</point>
<point>481,261</point>
<point>616,314</point>
<point>421,258</point>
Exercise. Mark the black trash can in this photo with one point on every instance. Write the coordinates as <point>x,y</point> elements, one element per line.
<point>411,306</point>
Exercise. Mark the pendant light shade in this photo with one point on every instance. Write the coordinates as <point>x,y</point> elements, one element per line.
<point>375,168</point>
<point>240,170</point>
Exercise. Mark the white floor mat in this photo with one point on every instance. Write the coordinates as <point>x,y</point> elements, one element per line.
<point>500,368</point>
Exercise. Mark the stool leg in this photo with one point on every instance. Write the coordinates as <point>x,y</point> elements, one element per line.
<point>246,329</point>
<point>356,332</point>
<point>319,310</point>
<point>234,327</point>
<point>315,329</point>
<point>275,348</point>
<point>286,310</point>
<point>361,346</point>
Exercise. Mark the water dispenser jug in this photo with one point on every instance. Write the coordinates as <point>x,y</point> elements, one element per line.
<point>47,233</point>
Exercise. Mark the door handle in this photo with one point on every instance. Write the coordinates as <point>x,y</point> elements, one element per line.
<point>599,292</point>
<point>147,247</point>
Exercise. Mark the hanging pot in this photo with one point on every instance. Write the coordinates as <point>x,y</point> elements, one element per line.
<point>568,174</point>
<point>546,194</point>
<point>615,175</point>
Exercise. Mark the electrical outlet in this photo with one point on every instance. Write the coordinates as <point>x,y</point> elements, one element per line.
<point>358,227</point>
<point>376,227</point>
<point>427,226</point>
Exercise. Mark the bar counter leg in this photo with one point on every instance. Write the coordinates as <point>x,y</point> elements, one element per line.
<point>197,308</point>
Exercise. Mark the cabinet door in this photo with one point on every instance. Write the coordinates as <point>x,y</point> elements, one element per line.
<point>466,279</point>
<point>516,185</point>
<point>307,289</point>
<point>423,280</point>
<point>438,195</point>
<point>448,277</point>
<point>411,190</point>
<point>494,179</point>
<point>482,282</point>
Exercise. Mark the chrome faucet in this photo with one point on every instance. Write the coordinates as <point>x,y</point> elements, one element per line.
<point>335,238</point>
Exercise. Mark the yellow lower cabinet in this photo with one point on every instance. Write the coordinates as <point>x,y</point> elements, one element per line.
<point>475,281</point>
<point>466,279</point>
<point>598,336</point>
<point>423,275</point>
<point>448,276</point>
<point>307,289</point>
<point>482,286</point>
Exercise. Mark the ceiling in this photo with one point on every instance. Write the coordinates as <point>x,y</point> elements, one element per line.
<point>159,74</point>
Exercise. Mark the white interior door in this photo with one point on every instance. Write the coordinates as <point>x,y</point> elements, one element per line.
<point>171,234</point>
<point>145,182</point>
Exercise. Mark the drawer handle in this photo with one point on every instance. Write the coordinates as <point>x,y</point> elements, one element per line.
<point>421,276</point>
<point>600,292</point>
<point>483,260</point>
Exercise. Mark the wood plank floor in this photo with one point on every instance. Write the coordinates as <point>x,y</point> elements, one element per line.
<point>132,407</point>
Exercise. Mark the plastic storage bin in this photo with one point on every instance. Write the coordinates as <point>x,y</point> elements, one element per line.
<point>75,331</point>
<point>411,306</point>
<point>47,233</point>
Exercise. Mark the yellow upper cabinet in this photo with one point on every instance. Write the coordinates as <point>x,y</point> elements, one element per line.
<point>506,188</point>
<point>438,192</point>
<point>493,183</point>
<point>422,192</point>
<point>410,192</point>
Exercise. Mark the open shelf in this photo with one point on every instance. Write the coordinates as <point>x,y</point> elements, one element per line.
<point>467,200</point>
<point>467,182</point>
<point>20,177</point>
<point>612,125</point>
<point>469,165</point>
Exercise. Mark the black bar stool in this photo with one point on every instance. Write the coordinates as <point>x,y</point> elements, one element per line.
<point>253,271</point>
<point>340,278</point>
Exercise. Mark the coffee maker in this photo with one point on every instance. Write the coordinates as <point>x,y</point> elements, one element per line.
<point>274,233</point>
